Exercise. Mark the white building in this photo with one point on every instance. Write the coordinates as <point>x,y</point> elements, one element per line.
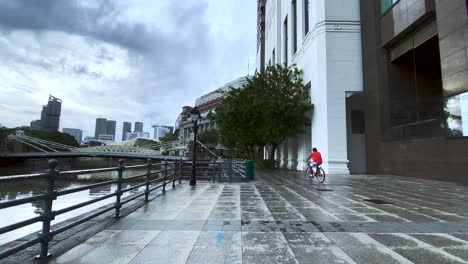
<point>323,38</point>
<point>107,138</point>
<point>133,135</point>
<point>76,133</point>
<point>160,131</point>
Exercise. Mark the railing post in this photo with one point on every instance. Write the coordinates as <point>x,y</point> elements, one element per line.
<point>118,192</point>
<point>181,166</point>
<point>148,174</point>
<point>165,175</point>
<point>173,174</point>
<point>48,214</point>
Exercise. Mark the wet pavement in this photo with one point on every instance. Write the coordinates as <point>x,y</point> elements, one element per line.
<point>282,218</point>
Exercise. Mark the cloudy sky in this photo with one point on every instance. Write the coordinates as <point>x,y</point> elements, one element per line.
<point>123,60</point>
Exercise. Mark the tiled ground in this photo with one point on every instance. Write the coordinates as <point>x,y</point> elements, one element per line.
<point>282,218</point>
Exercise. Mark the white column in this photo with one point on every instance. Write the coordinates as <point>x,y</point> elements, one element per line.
<point>278,155</point>
<point>284,155</point>
<point>292,153</point>
<point>303,148</point>
<point>337,152</point>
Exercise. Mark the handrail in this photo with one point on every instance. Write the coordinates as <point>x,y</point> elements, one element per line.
<point>172,171</point>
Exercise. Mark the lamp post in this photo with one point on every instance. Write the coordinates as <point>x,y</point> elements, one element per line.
<point>194,116</point>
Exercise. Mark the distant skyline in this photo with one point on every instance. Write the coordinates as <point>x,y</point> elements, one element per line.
<point>121,60</point>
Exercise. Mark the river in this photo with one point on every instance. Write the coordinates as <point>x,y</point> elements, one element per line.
<point>16,190</point>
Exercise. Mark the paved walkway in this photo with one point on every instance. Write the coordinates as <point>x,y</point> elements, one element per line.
<point>282,218</point>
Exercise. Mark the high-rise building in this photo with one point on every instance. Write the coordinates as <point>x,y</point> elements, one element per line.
<point>76,133</point>
<point>51,120</point>
<point>138,127</point>
<point>160,131</point>
<point>171,129</point>
<point>110,127</point>
<point>50,116</point>
<point>101,127</point>
<point>35,125</point>
<point>127,127</point>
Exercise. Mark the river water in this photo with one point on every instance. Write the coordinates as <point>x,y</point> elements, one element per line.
<point>16,190</point>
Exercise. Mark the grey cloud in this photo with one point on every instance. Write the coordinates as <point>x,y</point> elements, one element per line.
<point>71,17</point>
<point>166,62</point>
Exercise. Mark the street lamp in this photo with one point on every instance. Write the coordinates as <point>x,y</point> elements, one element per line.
<point>194,116</point>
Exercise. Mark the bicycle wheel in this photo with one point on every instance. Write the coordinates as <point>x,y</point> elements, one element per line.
<point>308,174</point>
<point>321,175</point>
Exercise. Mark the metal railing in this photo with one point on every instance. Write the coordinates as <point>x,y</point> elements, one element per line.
<point>224,170</point>
<point>170,171</point>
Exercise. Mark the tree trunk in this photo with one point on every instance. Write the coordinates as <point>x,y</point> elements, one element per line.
<point>272,151</point>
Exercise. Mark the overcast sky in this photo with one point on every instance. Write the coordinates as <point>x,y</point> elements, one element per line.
<point>123,60</point>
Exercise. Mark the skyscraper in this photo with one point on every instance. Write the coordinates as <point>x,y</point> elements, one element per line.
<point>127,127</point>
<point>50,116</point>
<point>138,127</point>
<point>101,127</point>
<point>76,133</point>
<point>110,127</point>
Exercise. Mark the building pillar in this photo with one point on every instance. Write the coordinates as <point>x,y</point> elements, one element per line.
<point>278,155</point>
<point>303,149</point>
<point>329,133</point>
<point>292,153</point>
<point>284,154</point>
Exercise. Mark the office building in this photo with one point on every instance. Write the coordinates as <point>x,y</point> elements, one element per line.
<point>101,127</point>
<point>50,116</point>
<point>110,127</point>
<point>76,133</point>
<point>137,135</point>
<point>415,81</point>
<point>160,131</point>
<point>323,38</point>
<point>104,137</point>
<point>138,127</point>
<point>127,128</point>
<point>35,125</point>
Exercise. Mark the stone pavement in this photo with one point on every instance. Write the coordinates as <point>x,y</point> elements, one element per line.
<point>282,218</point>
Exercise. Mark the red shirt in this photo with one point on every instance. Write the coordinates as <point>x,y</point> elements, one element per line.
<point>316,157</point>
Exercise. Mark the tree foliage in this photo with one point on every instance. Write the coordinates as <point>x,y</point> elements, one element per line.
<point>209,137</point>
<point>268,109</point>
<point>58,137</point>
<point>168,137</point>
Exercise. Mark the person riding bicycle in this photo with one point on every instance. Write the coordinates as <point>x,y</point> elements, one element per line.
<point>316,158</point>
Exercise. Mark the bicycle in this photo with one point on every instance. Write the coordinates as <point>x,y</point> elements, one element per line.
<point>319,176</point>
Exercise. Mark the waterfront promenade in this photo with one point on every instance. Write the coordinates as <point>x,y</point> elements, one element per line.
<point>282,218</point>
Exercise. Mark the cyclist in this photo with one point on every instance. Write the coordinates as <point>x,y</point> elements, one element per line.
<point>316,158</point>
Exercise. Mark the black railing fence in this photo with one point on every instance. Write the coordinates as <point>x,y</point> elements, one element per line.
<point>157,175</point>
<point>221,170</point>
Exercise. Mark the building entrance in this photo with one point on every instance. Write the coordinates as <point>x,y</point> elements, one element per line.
<point>356,137</point>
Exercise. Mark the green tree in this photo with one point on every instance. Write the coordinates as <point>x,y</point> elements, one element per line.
<point>269,108</point>
<point>209,137</point>
<point>168,137</point>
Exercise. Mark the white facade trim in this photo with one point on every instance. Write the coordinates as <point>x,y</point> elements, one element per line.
<point>330,55</point>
